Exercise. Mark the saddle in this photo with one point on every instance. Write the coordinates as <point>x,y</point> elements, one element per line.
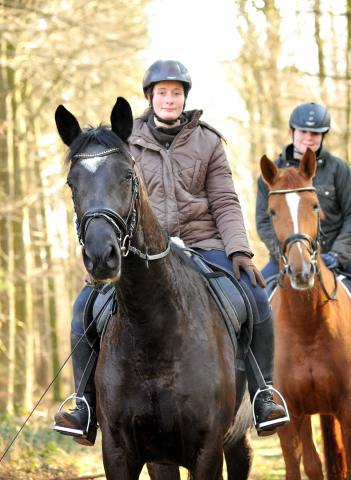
<point>345,280</point>
<point>234,300</point>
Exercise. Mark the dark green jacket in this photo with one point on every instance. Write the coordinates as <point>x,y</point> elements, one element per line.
<point>333,184</point>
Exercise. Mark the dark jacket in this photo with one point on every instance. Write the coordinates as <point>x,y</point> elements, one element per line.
<point>191,188</point>
<point>333,183</point>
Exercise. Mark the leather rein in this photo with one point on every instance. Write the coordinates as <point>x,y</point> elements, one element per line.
<point>115,220</point>
<point>312,246</point>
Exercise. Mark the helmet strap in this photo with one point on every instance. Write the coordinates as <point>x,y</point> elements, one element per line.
<point>167,122</point>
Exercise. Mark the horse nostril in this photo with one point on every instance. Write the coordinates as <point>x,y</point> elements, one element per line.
<point>87,260</point>
<point>290,272</point>
<point>312,270</point>
<point>112,257</point>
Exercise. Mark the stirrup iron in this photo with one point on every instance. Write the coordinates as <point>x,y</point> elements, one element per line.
<point>74,432</point>
<point>278,422</point>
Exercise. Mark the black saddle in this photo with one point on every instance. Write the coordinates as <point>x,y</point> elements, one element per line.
<point>235,301</point>
<point>98,310</point>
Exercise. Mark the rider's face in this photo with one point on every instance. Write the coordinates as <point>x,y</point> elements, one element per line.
<point>304,139</point>
<point>168,99</point>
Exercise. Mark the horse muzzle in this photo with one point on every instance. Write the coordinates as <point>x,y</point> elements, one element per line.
<point>301,279</point>
<point>102,255</point>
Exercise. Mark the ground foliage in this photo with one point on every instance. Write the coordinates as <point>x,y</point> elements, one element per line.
<point>41,453</point>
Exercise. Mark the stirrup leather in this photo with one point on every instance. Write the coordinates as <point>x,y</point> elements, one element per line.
<point>278,422</point>
<point>74,432</point>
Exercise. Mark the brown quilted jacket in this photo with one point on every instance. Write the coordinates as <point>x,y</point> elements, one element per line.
<point>191,188</point>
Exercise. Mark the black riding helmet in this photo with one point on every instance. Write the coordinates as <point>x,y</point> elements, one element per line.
<point>166,70</point>
<point>310,116</point>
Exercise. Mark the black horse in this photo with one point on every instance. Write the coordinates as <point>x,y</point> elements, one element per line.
<point>167,386</point>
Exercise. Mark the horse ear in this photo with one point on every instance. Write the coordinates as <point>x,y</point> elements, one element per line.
<point>122,119</point>
<point>67,125</point>
<point>308,164</point>
<point>269,170</point>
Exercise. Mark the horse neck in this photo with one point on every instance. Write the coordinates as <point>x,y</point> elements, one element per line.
<point>141,290</point>
<point>309,308</point>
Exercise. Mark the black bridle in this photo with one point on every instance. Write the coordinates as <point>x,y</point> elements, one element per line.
<point>312,246</point>
<point>114,219</point>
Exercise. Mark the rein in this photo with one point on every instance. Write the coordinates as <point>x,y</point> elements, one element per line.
<point>115,220</point>
<point>311,246</point>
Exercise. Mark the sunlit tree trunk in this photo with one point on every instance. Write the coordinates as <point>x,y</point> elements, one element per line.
<point>7,244</point>
<point>318,39</point>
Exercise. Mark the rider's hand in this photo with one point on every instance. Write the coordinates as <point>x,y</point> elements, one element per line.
<point>245,263</point>
<point>330,261</point>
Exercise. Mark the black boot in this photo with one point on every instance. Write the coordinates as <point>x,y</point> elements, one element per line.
<point>265,408</point>
<point>76,423</point>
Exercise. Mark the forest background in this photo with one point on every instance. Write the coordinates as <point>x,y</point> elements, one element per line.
<point>251,61</point>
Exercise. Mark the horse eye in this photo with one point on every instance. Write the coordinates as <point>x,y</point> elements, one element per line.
<point>315,207</point>
<point>129,176</point>
<point>273,212</point>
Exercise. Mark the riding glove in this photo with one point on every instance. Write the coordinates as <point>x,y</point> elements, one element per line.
<point>245,263</point>
<point>330,261</point>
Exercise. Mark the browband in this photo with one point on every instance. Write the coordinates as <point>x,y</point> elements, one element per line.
<point>291,190</point>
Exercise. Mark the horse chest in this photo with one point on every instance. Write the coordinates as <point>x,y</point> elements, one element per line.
<point>310,379</point>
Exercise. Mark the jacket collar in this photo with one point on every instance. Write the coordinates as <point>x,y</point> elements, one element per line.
<point>290,161</point>
<point>140,128</point>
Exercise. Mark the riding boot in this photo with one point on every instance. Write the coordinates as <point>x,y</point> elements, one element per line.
<point>76,423</point>
<point>265,408</point>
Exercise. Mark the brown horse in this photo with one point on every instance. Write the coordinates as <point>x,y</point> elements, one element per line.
<point>168,391</point>
<point>313,331</point>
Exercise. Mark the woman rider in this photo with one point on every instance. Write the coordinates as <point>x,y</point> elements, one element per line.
<point>309,123</point>
<point>182,163</point>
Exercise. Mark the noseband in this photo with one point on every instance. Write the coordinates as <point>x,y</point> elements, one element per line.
<point>311,246</point>
<point>114,219</point>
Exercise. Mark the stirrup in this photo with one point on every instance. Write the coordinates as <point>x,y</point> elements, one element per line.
<point>74,432</point>
<point>278,422</point>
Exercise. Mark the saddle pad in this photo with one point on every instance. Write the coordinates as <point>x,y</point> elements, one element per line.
<point>346,283</point>
<point>227,294</point>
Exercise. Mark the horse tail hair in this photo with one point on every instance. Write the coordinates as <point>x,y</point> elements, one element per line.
<point>334,452</point>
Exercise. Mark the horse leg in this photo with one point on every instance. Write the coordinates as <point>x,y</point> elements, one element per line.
<point>290,441</point>
<point>337,444</point>
<point>163,472</point>
<point>311,460</point>
<point>239,457</point>
<point>209,462</point>
<point>118,465</point>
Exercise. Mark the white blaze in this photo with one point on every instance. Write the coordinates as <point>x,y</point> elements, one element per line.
<point>93,163</point>
<point>293,200</point>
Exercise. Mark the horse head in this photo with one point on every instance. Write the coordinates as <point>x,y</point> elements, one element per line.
<point>104,185</point>
<point>294,213</point>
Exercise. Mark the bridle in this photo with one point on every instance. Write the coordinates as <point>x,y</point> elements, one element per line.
<point>118,224</point>
<point>312,246</point>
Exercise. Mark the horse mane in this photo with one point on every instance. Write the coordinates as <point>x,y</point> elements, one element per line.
<point>184,257</point>
<point>101,135</point>
<point>290,178</point>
